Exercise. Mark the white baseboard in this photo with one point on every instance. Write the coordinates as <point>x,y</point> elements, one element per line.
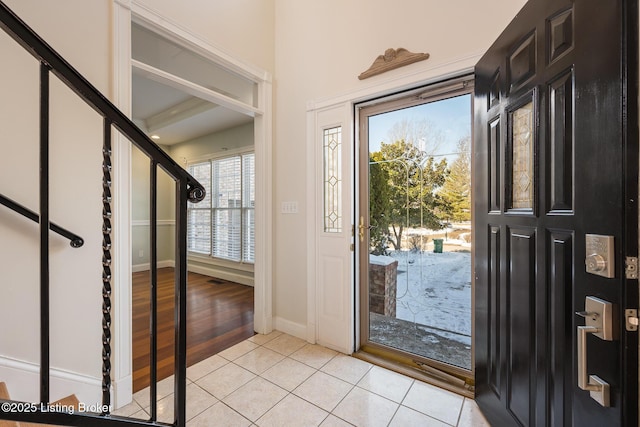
<point>298,330</point>
<point>224,275</point>
<point>147,266</point>
<point>122,392</point>
<point>200,269</point>
<point>23,381</point>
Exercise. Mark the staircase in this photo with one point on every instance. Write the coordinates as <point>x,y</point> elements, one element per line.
<point>68,402</point>
<point>187,189</point>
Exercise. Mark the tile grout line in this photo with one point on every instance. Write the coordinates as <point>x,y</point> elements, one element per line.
<point>288,357</point>
<point>259,375</point>
<point>316,370</point>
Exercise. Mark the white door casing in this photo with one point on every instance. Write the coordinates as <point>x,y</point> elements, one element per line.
<point>331,271</point>
<point>123,11</point>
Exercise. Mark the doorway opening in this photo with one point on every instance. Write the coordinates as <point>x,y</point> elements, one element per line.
<point>203,115</point>
<point>414,228</point>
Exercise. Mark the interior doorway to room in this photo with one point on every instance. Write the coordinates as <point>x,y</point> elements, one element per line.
<point>202,115</point>
<point>414,227</point>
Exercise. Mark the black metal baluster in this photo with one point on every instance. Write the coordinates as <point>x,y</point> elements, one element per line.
<point>153,254</point>
<point>187,188</point>
<point>106,266</point>
<point>44,234</point>
<point>180,385</point>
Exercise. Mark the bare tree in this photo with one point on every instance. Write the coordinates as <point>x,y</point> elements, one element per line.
<point>418,132</point>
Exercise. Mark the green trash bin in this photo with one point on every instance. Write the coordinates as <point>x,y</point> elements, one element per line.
<point>437,246</point>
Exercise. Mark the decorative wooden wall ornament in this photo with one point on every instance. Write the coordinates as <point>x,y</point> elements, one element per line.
<point>392,59</point>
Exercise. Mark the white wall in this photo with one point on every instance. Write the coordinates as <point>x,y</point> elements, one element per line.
<point>140,213</point>
<point>321,48</point>
<point>76,142</point>
<point>242,28</point>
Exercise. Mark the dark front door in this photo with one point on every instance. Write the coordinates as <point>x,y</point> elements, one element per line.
<point>556,216</point>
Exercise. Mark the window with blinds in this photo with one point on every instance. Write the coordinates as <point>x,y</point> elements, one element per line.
<point>223,224</point>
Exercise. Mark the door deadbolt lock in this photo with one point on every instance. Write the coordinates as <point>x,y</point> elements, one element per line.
<point>596,263</point>
<point>600,257</point>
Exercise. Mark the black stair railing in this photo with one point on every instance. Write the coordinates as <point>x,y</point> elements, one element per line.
<point>187,189</point>
<point>74,240</point>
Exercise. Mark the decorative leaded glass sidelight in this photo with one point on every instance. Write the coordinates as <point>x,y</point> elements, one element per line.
<point>522,176</point>
<point>332,148</point>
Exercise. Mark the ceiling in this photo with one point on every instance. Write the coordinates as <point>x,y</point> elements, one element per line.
<point>176,116</point>
<point>170,113</point>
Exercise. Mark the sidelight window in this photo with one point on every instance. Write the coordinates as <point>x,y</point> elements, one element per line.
<point>332,177</point>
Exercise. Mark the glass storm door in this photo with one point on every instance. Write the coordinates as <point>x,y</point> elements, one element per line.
<point>414,227</point>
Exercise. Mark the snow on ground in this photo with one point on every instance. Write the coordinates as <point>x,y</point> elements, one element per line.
<point>434,289</point>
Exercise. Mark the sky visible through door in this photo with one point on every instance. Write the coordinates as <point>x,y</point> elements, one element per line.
<point>420,235</point>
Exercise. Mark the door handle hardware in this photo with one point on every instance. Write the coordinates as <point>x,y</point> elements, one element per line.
<point>588,314</point>
<point>597,388</point>
<point>361,229</point>
<point>631,316</point>
<point>601,315</point>
<point>600,320</point>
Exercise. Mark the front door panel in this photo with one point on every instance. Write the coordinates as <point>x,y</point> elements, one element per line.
<point>555,161</point>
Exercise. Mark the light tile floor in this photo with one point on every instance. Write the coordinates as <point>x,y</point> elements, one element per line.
<point>279,380</point>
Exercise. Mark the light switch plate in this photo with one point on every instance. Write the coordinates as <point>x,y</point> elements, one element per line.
<point>289,208</point>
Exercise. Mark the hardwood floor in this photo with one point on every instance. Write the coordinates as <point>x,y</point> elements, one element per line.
<point>219,315</point>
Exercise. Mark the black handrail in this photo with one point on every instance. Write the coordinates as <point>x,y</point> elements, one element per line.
<point>187,189</point>
<point>74,240</point>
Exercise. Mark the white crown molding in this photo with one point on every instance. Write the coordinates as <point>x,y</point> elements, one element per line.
<point>152,19</point>
<point>426,75</point>
<point>126,4</point>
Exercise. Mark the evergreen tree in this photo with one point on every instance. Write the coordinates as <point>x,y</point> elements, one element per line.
<point>456,191</point>
<point>379,204</point>
<point>414,178</point>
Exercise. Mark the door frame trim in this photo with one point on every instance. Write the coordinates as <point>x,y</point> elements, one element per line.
<point>400,82</point>
<point>123,13</point>
<point>381,105</point>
